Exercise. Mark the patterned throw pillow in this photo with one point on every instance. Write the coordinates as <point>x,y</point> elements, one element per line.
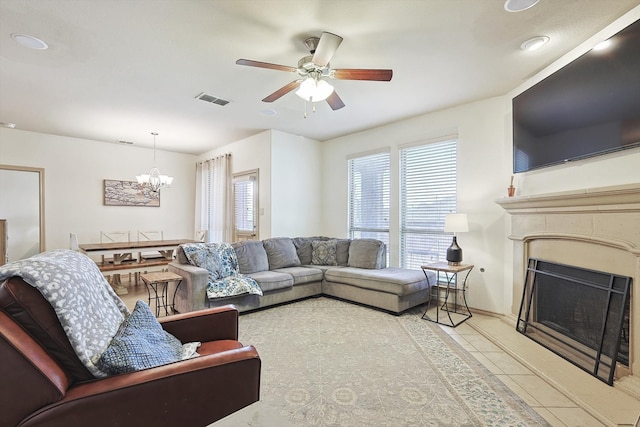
<point>140,343</point>
<point>323,252</point>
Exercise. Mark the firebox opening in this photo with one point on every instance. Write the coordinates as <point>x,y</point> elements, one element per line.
<point>580,314</point>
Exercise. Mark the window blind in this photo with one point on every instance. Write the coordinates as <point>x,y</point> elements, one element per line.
<point>369,197</point>
<point>243,201</point>
<point>427,193</point>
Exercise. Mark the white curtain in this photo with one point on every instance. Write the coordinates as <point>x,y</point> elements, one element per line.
<point>213,198</point>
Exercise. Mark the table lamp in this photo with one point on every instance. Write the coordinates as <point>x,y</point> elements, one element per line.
<point>455,223</point>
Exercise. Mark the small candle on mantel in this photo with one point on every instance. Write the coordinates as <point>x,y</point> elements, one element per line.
<point>511,190</point>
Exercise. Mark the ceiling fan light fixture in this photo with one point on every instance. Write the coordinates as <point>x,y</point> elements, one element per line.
<point>313,90</point>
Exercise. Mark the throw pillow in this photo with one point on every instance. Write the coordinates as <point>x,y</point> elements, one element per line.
<point>252,257</point>
<point>323,252</point>
<point>367,253</point>
<point>205,256</point>
<point>281,253</point>
<point>140,343</point>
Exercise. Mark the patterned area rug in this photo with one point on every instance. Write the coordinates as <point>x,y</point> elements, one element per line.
<point>331,363</point>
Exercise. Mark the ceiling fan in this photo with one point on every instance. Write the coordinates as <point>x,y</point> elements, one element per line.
<point>314,69</point>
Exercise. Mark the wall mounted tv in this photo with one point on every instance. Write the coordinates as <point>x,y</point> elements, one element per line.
<point>588,108</point>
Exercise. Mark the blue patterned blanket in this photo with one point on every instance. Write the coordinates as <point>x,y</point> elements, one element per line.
<point>220,260</point>
<point>88,309</point>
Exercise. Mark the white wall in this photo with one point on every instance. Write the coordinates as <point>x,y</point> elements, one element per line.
<point>483,176</point>
<point>249,154</point>
<point>74,171</point>
<point>289,180</point>
<point>295,185</point>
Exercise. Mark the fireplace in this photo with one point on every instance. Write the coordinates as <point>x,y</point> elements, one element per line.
<point>581,315</point>
<point>591,229</point>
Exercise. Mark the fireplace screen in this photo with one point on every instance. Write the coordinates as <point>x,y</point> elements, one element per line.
<point>581,315</point>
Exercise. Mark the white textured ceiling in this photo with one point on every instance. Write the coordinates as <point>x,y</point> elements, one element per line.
<point>121,69</point>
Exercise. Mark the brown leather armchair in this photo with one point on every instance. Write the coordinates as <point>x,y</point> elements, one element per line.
<point>43,383</point>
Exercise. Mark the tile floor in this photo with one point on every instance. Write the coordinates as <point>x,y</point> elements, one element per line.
<point>560,392</point>
<point>575,398</point>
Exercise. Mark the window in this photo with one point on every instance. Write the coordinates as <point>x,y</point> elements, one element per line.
<point>427,194</point>
<point>245,202</point>
<point>369,197</point>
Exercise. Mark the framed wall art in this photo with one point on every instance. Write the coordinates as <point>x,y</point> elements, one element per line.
<point>129,193</point>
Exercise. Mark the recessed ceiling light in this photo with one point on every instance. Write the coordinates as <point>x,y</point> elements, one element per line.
<point>27,40</point>
<point>519,5</point>
<point>268,112</point>
<point>534,43</point>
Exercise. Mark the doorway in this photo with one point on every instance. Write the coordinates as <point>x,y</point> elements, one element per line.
<point>245,206</point>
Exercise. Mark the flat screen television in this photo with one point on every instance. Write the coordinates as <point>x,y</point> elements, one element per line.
<point>588,108</point>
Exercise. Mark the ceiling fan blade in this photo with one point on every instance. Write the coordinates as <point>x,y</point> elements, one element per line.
<point>362,74</point>
<point>283,91</point>
<point>334,101</point>
<point>268,65</point>
<point>326,49</point>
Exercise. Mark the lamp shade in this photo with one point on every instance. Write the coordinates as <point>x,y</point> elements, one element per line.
<point>456,223</point>
<point>313,90</point>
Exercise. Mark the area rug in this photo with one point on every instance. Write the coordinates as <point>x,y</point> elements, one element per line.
<point>326,362</point>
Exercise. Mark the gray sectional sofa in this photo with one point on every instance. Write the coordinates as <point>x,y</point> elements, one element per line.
<point>288,269</point>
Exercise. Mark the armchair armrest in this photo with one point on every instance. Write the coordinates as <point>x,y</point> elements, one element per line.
<point>193,392</point>
<point>192,293</point>
<point>212,324</point>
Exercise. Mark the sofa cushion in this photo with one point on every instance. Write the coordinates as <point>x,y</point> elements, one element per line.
<point>252,256</point>
<point>281,253</point>
<point>398,281</point>
<point>367,253</point>
<point>342,251</point>
<point>323,252</point>
<point>303,274</point>
<point>140,343</point>
<point>272,280</point>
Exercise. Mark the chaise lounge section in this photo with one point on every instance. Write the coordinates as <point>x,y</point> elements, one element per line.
<point>288,269</point>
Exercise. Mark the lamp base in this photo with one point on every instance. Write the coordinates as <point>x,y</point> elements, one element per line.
<point>454,253</point>
<point>453,263</point>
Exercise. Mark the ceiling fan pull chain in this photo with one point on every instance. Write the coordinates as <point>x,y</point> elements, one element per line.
<point>305,108</point>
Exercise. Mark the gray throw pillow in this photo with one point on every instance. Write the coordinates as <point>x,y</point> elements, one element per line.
<point>140,343</point>
<point>303,249</point>
<point>252,258</point>
<point>367,253</point>
<point>281,252</point>
<point>323,252</point>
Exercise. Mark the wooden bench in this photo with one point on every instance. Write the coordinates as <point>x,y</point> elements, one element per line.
<point>134,266</point>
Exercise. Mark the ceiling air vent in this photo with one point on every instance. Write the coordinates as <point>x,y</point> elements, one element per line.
<point>213,99</point>
<point>122,141</point>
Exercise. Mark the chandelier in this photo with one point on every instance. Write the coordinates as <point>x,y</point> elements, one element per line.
<point>154,180</point>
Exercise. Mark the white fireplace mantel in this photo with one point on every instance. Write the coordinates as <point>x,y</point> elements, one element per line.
<point>594,228</point>
<point>603,199</point>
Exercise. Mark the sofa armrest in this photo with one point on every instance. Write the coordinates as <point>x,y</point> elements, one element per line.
<point>193,392</point>
<point>212,324</point>
<point>192,293</point>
